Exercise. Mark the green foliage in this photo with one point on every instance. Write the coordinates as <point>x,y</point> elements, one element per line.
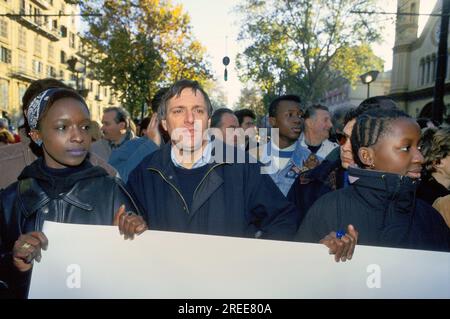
<point>139,46</point>
<point>251,98</point>
<point>304,46</point>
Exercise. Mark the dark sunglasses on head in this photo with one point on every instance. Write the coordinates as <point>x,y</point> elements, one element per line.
<point>342,138</point>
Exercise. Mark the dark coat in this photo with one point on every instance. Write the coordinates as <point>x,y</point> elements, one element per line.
<point>313,184</point>
<point>383,209</point>
<point>231,200</point>
<point>429,190</point>
<point>25,205</point>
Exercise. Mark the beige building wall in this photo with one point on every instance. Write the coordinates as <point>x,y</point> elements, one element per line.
<point>415,60</point>
<point>39,47</point>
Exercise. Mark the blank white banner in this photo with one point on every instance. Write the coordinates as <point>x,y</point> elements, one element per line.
<point>95,262</point>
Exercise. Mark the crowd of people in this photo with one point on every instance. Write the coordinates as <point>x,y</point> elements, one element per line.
<point>380,179</point>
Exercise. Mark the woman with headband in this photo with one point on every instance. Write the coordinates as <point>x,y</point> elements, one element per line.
<point>60,186</point>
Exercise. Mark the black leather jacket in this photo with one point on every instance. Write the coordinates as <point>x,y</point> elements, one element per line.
<point>92,198</point>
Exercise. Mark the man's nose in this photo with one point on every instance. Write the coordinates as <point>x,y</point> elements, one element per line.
<point>189,118</point>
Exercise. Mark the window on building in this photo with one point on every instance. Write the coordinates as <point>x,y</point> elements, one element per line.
<point>5,55</point>
<point>4,96</point>
<point>37,17</point>
<point>22,38</point>
<point>62,76</point>
<point>37,67</point>
<point>419,74</point>
<point>63,57</point>
<point>428,74</point>
<point>433,67</point>
<point>22,89</point>
<point>51,71</point>
<point>3,28</point>
<point>422,72</point>
<point>51,50</point>
<point>37,45</point>
<point>22,62</point>
<point>72,40</point>
<point>22,6</point>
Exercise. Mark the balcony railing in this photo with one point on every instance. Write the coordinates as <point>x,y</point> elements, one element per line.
<point>27,21</point>
<point>23,74</point>
<point>43,4</point>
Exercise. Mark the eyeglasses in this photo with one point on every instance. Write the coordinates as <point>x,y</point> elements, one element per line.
<point>342,138</point>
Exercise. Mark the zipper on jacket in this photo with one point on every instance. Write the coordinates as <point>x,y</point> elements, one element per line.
<point>60,211</point>
<point>206,175</point>
<point>174,187</point>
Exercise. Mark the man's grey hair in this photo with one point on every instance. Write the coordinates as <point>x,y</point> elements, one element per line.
<point>176,89</point>
<point>311,111</point>
<point>122,115</point>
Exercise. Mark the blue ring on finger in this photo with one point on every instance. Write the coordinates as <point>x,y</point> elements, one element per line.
<point>340,234</point>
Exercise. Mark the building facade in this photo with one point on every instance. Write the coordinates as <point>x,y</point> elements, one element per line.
<point>415,61</point>
<point>346,95</point>
<point>35,43</point>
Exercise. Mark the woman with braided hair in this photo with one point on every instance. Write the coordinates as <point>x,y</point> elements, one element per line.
<point>381,202</point>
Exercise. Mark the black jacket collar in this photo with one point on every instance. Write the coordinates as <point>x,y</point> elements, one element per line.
<point>387,182</point>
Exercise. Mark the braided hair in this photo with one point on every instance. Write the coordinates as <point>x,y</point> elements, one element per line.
<point>372,125</point>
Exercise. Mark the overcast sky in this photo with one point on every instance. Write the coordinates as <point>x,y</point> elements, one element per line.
<point>216,27</point>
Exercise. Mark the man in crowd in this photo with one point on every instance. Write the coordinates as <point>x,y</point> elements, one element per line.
<point>184,187</point>
<point>116,131</point>
<point>284,155</point>
<point>317,131</point>
<point>225,120</point>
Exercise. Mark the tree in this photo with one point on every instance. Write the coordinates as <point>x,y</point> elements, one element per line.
<point>251,98</point>
<point>304,46</point>
<point>216,94</point>
<point>139,46</point>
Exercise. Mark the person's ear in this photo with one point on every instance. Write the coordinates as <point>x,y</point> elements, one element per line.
<point>367,156</point>
<point>36,137</point>
<point>272,121</point>
<point>209,123</point>
<point>164,125</point>
<point>438,164</point>
<point>122,126</point>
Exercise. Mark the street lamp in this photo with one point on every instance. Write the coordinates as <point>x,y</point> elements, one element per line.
<point>76,67</point>
<point>368,78</point>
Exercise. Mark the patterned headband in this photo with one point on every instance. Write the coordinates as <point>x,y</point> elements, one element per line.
<point>38,105</point>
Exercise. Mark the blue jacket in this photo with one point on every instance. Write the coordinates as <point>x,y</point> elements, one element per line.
<point>284,177</point>
<point>231,200</point>
<point>125,158</point>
